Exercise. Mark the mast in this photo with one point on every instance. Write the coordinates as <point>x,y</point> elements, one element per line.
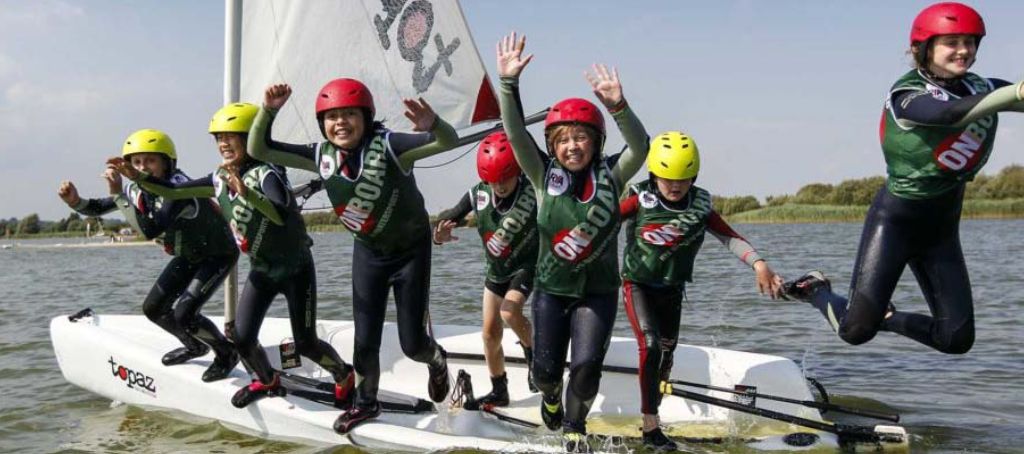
<point>232,79</point>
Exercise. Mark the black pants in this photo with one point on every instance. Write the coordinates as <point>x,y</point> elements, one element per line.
<point>190,285</point>
<point>654,315</point>
<point>299,289</point>
<point>408,275</point>
<point>924,234</point>
<point>588,323</point>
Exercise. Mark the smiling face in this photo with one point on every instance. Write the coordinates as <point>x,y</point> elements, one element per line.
<point>344,127</point>
<point>673,190</point>
<point>152,163</point>
<point>573,145</point>
<point>231,146</point>
<point>950,56</point>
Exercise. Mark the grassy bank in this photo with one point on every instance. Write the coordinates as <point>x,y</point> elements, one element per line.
<point>800,213</point>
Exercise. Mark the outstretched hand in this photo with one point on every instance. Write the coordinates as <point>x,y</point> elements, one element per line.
<point>443,232</point>
<point>123,167</point>
<point>420,114</point>
<point>113,179</point>
<point>233,180</point>
<point>768,283</point>
<point>510,56</point>
<point>276,95</point>
<point>606,85</point>
<point>69,193</point>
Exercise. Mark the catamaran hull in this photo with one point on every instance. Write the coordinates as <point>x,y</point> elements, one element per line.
<point>118,357</point>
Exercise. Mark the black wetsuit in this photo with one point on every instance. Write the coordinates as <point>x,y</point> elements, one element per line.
<point>281,263</point>
<point>200,241</point>
<point>918,225</point>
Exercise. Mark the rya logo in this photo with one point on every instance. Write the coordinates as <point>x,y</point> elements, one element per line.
<point>133,379</point>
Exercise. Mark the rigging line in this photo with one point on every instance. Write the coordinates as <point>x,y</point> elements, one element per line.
<point>464,153</point>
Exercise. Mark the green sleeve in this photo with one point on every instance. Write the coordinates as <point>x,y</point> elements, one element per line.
<point>526,152</point>
<point>171,193</point>
<point>445,138</point>
<point>259,148</point>
<point>262,204</point>
<point>636,146</point>
<point>1001,99</point>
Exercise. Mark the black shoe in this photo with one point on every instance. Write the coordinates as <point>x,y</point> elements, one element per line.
<point>221,367</point>
<point>345,391</point>
<point>257,390</point>
<point>498,397</point>
<point>552,413</point>
<point>657,441</point>
<point>439,382</point>
<point>355,416</point>
<point>183,354</point>
<point>806,286</point>
<point>528,355</point>
<point>575,442</point>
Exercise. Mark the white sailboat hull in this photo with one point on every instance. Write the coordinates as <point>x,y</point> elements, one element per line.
<point>118,357</point>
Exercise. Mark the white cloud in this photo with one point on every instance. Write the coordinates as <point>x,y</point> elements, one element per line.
<point>7,66</point>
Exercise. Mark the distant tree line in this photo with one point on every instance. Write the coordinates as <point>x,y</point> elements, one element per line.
<point>1007,184</point>
<point>32,225</point>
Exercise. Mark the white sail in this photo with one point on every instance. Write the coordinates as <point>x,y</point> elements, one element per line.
<point>398,48</point>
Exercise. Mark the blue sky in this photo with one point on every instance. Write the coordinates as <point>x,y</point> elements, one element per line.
<point>776,94</point>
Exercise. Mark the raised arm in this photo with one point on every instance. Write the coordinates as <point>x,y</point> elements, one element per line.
<point>263,148</point>
<point>169,190</point>
<point>510,65</point>
<point>608,89</point>
<point>437,136</point>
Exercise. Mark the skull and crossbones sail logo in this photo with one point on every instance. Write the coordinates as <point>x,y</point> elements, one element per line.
<point>413,34</point>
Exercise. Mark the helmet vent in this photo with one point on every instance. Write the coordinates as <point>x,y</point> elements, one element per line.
<point>232,118</point>
<point>664,164</point>
<point>151,141</point>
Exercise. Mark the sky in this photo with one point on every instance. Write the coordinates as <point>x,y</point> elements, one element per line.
<point>776,94</point>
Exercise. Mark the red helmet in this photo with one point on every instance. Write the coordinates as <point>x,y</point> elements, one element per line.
<point>575,110</point>
<point>494,159</point>
<point>340,93</point>
<point>948,18</point>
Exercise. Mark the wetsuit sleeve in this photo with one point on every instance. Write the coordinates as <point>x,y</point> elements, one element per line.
<point>458,212</point>
<point>272,198</point>
<point>918,107</point>
<point>199,188</point>
<point>263,148</point>
<point>410,148</point>
<point>95,207</point>
<point>636,138</point>
<point>526,151</point>
<point>151,226</point>
<point>732,240</point>
<point>628,205</point>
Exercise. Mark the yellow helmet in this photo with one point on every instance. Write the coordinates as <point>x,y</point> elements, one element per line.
<point>673,156</point>
<point>235,117</point>
<point>149,141</point>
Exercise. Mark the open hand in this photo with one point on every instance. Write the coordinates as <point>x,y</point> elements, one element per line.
<point>233,180</point>
<point>510,56</point>
<point>443,232</point>
<point>113,180</point>
<point>768,283</point>
<point>420,114</point>
<point>123,167</point>
<point>69,193</point>
<point>276,95</point>
<point>606,85</point>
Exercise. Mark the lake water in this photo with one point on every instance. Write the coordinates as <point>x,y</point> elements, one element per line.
<point>970,403</point>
